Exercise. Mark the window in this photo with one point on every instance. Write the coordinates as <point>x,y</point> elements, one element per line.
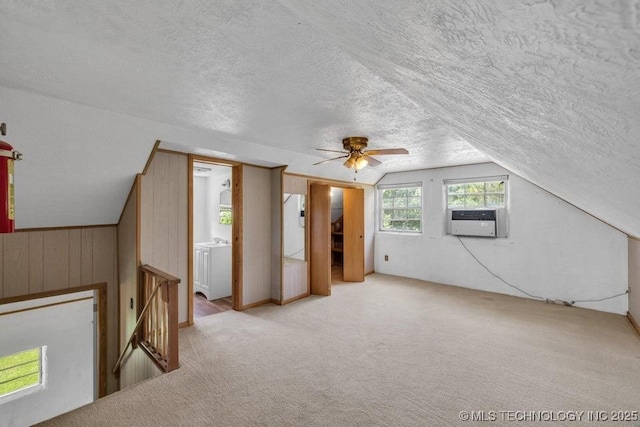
<point>476,194</point>
<point>225,215</point>
<point>20,371</point>
<point>401,208</point>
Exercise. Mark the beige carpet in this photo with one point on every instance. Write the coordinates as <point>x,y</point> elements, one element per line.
<point>387,352</point>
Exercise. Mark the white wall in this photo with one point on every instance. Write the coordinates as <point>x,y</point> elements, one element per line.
<point>634,278</point>
<point>293,231</point>
<point>68,332</point>
<point>369,228</point>
<point>553,250</point>
<point>201,224</point>
<point>336,203</point>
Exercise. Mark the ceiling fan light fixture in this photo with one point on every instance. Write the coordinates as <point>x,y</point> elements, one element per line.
<point>351,162</point>
<point>361,162</point>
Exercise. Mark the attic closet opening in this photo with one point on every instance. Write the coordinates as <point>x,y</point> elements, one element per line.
<point>212,239</point>
<point>336,235</point>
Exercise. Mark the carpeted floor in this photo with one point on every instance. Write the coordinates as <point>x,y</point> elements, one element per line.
<point>387,352</point>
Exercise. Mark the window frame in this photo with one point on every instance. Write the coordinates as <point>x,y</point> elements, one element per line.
<point>379,194</point>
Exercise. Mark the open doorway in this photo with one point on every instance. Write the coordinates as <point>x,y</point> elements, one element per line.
<point>212,239</point>
<point>337,235</point>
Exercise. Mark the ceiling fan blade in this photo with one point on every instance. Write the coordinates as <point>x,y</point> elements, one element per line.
<point>332,151</point>
<point>329,160</point>
<point>372,162</point>
<point>386,151</point>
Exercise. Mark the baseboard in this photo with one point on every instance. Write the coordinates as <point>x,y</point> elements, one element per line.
<point>183,324</point>
<point>255,304</point>
<point>369,272</point>
<point>634,323</point>
<point>287,301</point>
<point>276,302</point>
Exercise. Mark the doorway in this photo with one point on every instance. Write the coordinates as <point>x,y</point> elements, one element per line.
<point>212,238</point>
<point>336,226</point>
<point>337,235</point>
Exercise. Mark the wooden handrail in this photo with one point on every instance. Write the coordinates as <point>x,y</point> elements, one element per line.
<point>156,330</point>
<point>135,330</point>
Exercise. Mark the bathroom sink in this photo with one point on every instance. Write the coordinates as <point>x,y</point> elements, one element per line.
<point>213,244</point>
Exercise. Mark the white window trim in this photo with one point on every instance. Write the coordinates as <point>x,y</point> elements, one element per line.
<point>380,187</point>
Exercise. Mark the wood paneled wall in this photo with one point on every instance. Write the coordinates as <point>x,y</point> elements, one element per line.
<point>136,366</point>
<point>634,278</point>
<point>256,236</point>
<point>164,226</point>
<point>49,260</point>
<point>276,235</point>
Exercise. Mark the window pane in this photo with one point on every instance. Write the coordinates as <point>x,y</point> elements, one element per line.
<point>400,214</point>
<point>455,189</point>
<point>413,225</point>
<point>474,201</point>
<point>387,203</point>
<point>399,225</point>
<point>400,203</point>
<point>495,200</point>
<point>413,213</point>
<point>475,188</point>
<point>495,187</point>
<point>20,370</point>
<point>413,202</point>
<point>456,201</point>
<point>387,214</point>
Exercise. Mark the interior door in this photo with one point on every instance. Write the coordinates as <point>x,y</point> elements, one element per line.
<point>319,208</point>
<point>353,224</point>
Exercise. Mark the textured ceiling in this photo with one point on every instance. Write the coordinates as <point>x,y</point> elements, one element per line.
<point>549,91</point>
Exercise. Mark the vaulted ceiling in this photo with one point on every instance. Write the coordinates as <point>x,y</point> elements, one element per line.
<point>548,90</point>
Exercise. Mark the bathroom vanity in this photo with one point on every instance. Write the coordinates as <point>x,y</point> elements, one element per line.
<point>212,269</point>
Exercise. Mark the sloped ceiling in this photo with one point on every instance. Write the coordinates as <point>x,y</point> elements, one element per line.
<point>549,91</point>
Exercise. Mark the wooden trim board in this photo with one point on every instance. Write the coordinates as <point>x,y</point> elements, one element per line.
<point>151,156</point>
<point>190,272</point>
<point>236,237</point>
<point>634,322</point>
<point>68,227</point>
<point>329,181</point>
<point>256,304</point>
<point>296,298</point>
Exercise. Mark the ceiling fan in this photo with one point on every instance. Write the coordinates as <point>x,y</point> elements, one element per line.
<point>356,155</point>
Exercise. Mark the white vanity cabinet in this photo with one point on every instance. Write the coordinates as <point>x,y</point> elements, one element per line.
<point>212,270</point>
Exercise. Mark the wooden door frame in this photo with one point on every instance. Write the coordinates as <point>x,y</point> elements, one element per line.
<point>330,183</point>
<point>236,230</point>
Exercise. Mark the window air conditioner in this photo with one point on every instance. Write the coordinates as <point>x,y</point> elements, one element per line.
<point>477,222</point>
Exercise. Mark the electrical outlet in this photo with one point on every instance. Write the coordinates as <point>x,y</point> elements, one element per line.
<point>386,257</point>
